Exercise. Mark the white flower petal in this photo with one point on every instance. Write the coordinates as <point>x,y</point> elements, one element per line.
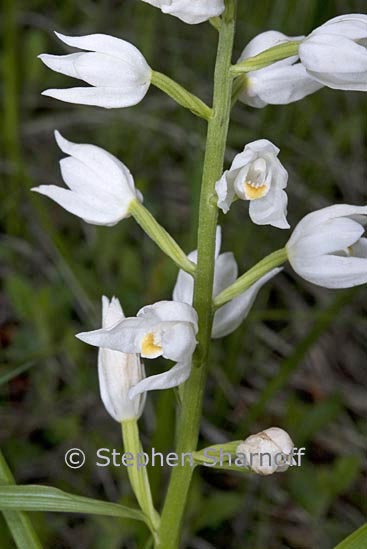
<point>184,287</point>
<point>331,271</point>
<point>117,373</point>
<point>231,315</point>
<point>245,157</point>
<point>352,25</point>
<point>170,311</point>
<point>104,164</point>
<point>262,147</point>
<point>333,235</point>
<point>172,378</point>
<point>326,248</point>
<point>110,45</point>
<point>276,85</point>
<point>64,64</point>
<point>80,206</point>
<point>225,192</point>
<point>125,336</point>
<point>314,219</point>
<point>190,11</point>
<point>102,70</point>
<point>270,210</point>
<point>335,54</point>
<point>325,53</point>
<point>108,98</point>
<point>111,312</point>
<point>81,179</point>
<point>226,272</point>
<point>178,341</point>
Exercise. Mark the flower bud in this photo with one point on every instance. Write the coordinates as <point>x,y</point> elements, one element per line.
<point>119,372</point>
<point>267,452</point>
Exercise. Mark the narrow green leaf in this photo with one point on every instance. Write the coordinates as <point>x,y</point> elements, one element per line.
<point>357,540</point>
<point>46,498</point>
<point>18,523</point>
<point>11,372</point>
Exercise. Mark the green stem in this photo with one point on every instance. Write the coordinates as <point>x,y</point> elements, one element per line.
<point>267,57</point>
<point>137,472</point>
<point>179,94</point>
<point>18,522</point>
<point>249,278</point>
<point>160,236</point>
<point>189,421</point>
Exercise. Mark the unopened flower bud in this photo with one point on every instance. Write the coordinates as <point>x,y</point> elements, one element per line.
<point>267,452</point>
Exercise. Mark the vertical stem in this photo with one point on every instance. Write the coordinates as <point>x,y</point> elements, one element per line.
<point>189,424</point>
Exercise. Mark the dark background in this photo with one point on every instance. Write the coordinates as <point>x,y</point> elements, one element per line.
<point>298,361</point>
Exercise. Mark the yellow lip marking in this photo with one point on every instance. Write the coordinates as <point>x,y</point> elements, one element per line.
<point>252,192</point>
<point>149,347</point>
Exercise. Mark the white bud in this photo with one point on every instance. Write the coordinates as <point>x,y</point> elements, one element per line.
<point>267,452</point>
<point>119,372</point>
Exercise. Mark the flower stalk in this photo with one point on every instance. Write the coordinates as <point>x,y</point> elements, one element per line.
<point>245,281</point>
<point>160,236</point>
<point>269,56</point>
<point>179,94</point>
<point>189,421</point>
<point>139,476</point>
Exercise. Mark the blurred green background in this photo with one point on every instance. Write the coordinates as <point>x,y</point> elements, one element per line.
<point>298,362</point>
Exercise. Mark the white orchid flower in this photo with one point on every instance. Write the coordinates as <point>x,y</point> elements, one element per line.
<point>190,11</point>
<point>282,82</point>
<point>116,70</point>
<point>327,248</point>
<point>335,54</point>
<point>165,329</point>
<point>228,317</point>
<point>119,372</point>
<point>257,175</point>
<point>267,452</point>
<point>101,188</point>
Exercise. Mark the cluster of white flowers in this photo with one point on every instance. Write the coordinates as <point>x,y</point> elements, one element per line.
<point>326,248</point>
<point>333,55</point>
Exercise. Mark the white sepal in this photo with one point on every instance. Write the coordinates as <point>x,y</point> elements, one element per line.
<point>190,11</point>
<point>118,372</point>
<point>101,187</point>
